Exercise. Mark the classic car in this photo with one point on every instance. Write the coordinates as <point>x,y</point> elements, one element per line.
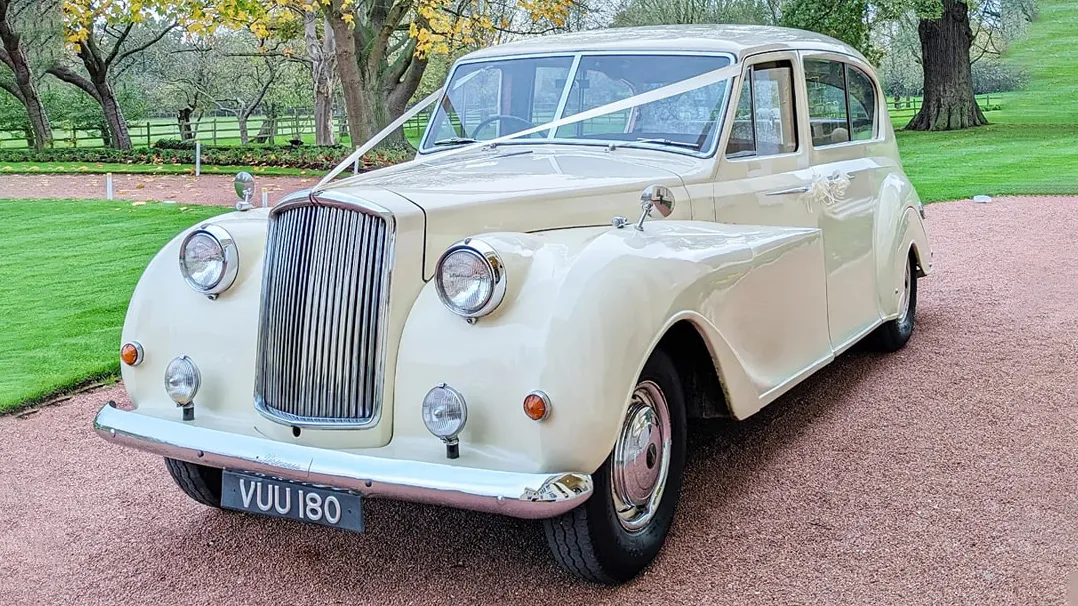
<point>603,237</point>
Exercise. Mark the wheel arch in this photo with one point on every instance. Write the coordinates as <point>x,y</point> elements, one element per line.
<point>705,396</point>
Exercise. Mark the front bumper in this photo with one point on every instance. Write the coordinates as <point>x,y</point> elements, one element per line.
<point>520,495</point>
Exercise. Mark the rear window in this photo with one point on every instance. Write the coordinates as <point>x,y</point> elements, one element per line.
<point>842,102</point>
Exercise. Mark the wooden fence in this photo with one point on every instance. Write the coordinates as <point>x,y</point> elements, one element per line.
<point>224,130</point>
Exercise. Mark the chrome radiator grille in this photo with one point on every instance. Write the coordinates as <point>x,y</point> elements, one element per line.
<point>321,335</point>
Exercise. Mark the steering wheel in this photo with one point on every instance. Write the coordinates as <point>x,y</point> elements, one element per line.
<point>503,118</point>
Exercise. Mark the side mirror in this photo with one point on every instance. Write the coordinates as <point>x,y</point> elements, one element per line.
<point>245,189</point>
<point>657,197</point>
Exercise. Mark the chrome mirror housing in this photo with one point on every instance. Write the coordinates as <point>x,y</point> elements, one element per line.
<point>245,189</point>
<point>657,197</point>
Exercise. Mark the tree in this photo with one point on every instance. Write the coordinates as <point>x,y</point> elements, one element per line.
<point>105,33</point>
<point>13,55</point>
<point>662,12</point>
<point>383,46</point>
<point>949,102</point>
<point>245,76</point>
<point>321,50</point>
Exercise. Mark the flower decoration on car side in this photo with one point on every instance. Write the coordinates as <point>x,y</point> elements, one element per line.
<point>826,191</point>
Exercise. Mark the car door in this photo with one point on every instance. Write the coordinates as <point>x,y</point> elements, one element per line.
<point>762,178</point>
<point>842,110</point>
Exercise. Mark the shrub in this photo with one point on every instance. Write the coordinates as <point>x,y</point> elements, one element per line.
<point>307,157</point>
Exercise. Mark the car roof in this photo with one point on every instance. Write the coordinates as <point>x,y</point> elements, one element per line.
<point>739,40</point>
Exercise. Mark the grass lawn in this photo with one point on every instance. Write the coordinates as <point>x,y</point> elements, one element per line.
<point>1031,145</point>
<point>155,169</point>
<point>996,159</point>
<point>68,269</point>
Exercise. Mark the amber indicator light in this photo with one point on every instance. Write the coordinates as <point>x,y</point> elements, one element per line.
<point>131,354</point>
<point>536,407</point>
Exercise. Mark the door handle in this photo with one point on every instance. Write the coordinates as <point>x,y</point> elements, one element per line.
<point>793,190</point>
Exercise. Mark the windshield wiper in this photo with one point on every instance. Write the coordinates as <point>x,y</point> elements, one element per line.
<point>695,146</point>
<point>456,141</point>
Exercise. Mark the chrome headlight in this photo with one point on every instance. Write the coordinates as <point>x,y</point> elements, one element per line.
<point>470,278</point>
<point>444,412</point>
<point>209,260</point>
<point>182,380</point>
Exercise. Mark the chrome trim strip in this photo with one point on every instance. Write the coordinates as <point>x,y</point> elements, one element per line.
<point>317,407</point>
<point>520,495</point>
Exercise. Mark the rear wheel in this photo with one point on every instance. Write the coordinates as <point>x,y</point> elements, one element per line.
<point>893,334</point>
<point>201,483</point>
<point>621,528</point>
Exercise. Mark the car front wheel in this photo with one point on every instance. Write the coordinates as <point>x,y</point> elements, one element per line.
<point>621,528</point>
<point>201,483</point>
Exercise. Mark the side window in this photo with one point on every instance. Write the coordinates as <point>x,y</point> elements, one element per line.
<point>842,102</point>
<point>764,123</point>
<point>826,88</point>
<point>742,141</point>
<point>862,104</point>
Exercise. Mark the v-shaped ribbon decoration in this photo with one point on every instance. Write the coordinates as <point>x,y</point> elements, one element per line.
<point>658,94</point>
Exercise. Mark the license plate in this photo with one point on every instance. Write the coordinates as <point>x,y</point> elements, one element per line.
<point>292,500</point>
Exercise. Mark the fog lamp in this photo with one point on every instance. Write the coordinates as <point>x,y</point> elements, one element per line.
<point>444,412</point>
<point>182,380</point>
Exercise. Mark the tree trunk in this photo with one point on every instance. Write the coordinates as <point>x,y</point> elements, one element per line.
<point>15,58</point>
<point>106,135</point>
<point>114,116</point>
<point>321,53</point>
<point>268,131</point>
<point>184,119</point>
<point>241,119</point>
<point>351,80</point>
<point>949,102</point>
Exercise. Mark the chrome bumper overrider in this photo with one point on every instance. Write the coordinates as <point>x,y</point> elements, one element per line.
<point>521,495</point>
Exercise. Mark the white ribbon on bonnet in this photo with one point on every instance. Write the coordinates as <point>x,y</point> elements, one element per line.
<point>658,94</point>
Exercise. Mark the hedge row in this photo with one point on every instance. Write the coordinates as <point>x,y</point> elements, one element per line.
<point>309,157</point>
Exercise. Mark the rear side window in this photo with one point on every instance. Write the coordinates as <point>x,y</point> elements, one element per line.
<point>765,123</point>
<point>862,104</point>
<point>842,102</point>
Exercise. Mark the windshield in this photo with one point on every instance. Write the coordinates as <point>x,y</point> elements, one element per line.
<point>491,99</point>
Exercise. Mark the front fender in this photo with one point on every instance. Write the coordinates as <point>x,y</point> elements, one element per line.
<point>583,310</point>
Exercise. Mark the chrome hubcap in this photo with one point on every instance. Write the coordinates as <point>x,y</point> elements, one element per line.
<point>641,458</point>
<point>904,302</point>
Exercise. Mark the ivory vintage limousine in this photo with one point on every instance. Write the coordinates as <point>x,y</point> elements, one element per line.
<point>602,237</point>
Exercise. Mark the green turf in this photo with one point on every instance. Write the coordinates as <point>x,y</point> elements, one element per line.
<point>1048,52</point>
<point>996,159</point>
<point>1031,145</point>
<point>68,269</point>
<point>155,169</point>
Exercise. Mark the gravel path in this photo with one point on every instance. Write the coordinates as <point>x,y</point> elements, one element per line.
<point>943,474</point>
<point>215,190</point>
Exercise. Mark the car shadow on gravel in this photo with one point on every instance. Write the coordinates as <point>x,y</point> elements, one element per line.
<point>408,546</point>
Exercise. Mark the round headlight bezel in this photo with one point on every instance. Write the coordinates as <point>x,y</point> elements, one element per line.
<point>461,404</point>
<point>230,257</point>
<point>171,370</point>
<point>493,261</point>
